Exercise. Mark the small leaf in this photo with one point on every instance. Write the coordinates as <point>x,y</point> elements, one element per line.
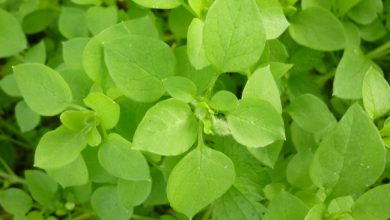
<point>286,207</point>
<point>224,101</point>
<point>38,20</point>
<point>58,148</point>
<point>160,4</point>
<point>12,37</point>
<point>172,125</point>
<point>195,47</point>
<point>15,201</point>
<point>256,123</point>
<point>100,18</point>
<point>72,174</point>
<point>42,188</point>
<point>198,179</point>
<point>233,35</point>
<point>365,11</point>
<point>117,157</point>
<point>78,120</point>
<point>9,86</point>
<point>180,88</point>
<point>376,94</point>
<point>25,117</point>
<point>72,51</point>
<point>272,16</point>
<point>373,204</point>
<point>36,54</point>
<point>133,193</point>
<point>268,155</point>
<point>317,28</point>
<point>72,22</point>
<point>138,65</point>
<point>43,89</point>
<point>105,201</point>
<point>107,110</point>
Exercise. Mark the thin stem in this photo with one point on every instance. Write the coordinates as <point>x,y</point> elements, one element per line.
<point>14,130</point>
<point>12,178</point>
<point>6,138</point>
<point>379,51</point>
<point>6,167</point>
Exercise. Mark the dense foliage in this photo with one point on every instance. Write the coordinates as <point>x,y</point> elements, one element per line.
<point>200,109</point>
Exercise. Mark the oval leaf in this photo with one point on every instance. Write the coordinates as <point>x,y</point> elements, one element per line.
<point>12,37</point>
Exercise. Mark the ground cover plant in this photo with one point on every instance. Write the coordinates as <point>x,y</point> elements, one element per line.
<point>198,109</point>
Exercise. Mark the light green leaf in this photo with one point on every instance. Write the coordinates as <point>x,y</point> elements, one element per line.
<point>39,20</point>
<point>133,193</point>
<point>268,155</point>
<point>373,31</point>
<point>15,201</point>
<point>117,157</point>
<point>365,11</point>
<point>72,22</point>
<point>297,171</point>
<point>106,203</point>
<point>9,86</point>
<point>180,88</point>
<point>261,84</point>
<point>256,123</point>
<point>198,179</point>
<point>96,172</point>
<point>107,110</point>
<point>351,158</point>
<point>195,47</point>
<point>172,125</point>
<point>312,114</point>
<point>42,188</point>
<point>72,174</point>
<point>340,205</point>
<point>316,212</point>
<point>25,117</point>
<point>373,205</point>
<point>79,83</point>
<point>376,94</point>
<point>286,207</point>
<point>72,51</point>
<point>178,21</point>
<point>36,54</point>
<point>350,74</point>
<point>327,4</point>
<point>234,205</point>
<point>199,6</point>
<point>223,101</point>
<point>100,18</point>
<point>43,89</point>
<point>272,16</point>
<point>234,36</point>
<point>58,148</point>
<point>137,66</point>
<point>343,6</point>
<point>87,2</point>
<point>160,4</point>
<point>12,39</point>
<point>317,28</point>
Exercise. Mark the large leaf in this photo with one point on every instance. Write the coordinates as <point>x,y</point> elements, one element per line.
<point>195,46</point>
<point>318,29</point>
<point>275,23</point>
<point>42,188</point>
<point>58,148</point>
<point>138,65</point>
<point>15,201</point>
<point>107,110</point>
<point>351,158</point>
<point>43,89</point>
<point>172,125</point>
<point>198,179</point>
<point>12,39</point>
<point>255,123</point>
<point>286,207</point>
<point>234,36</point>
<point>373,205</point>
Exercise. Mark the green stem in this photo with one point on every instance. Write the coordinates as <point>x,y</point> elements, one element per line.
<point>12,178</point>
<point>6,138</point>
<point>140,217</point>
<point>15,131</point>
<point>200,135</point>
<point>379,51</point>
<point>6,167</point>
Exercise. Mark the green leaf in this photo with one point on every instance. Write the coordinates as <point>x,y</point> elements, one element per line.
<point>342,7</point>
<point>234,36</point>
<point>117,157</point>
<point>58,148</point>
<point>106,203</point>
<point>256,123</point>
<point>223,101</point>
<point>38,20</point>
<point>286,207</point>
<point>373,205</point>
<point>9,86</point>
<point>195,47</point>
<point>72,174</point>
<point>36,54</point>
<point>272,16</point>
<point>234,205</point>
<point>180,88</point>
<point>340,204</point>
<point>72,22</point>
<point>261,84</point>
<point>100,18</point>
<point>311,114</point>
<point>172,125</point>
<point>15,201</point>
<point>133,193</point>
<point>72,51</point>
<point>365,11</point>
<point>268,155</point>
<point>178,21</point>
<point>351,158</point>
<point>42,188</point>
<point>43,89</point>
<point>87,2</point>
<point>12,37</point>
<point>107,110</point>
<point>376,94</point>
<point>317,28</point>
<point>79,83</point>
<point>25,117</point>
<point>160,4</point>
<point>373,31</point>
<point>198,179</point>
<point>297,171</point>
<point>350,74</point>
<point>138,65</point>
<point>96,172</point>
